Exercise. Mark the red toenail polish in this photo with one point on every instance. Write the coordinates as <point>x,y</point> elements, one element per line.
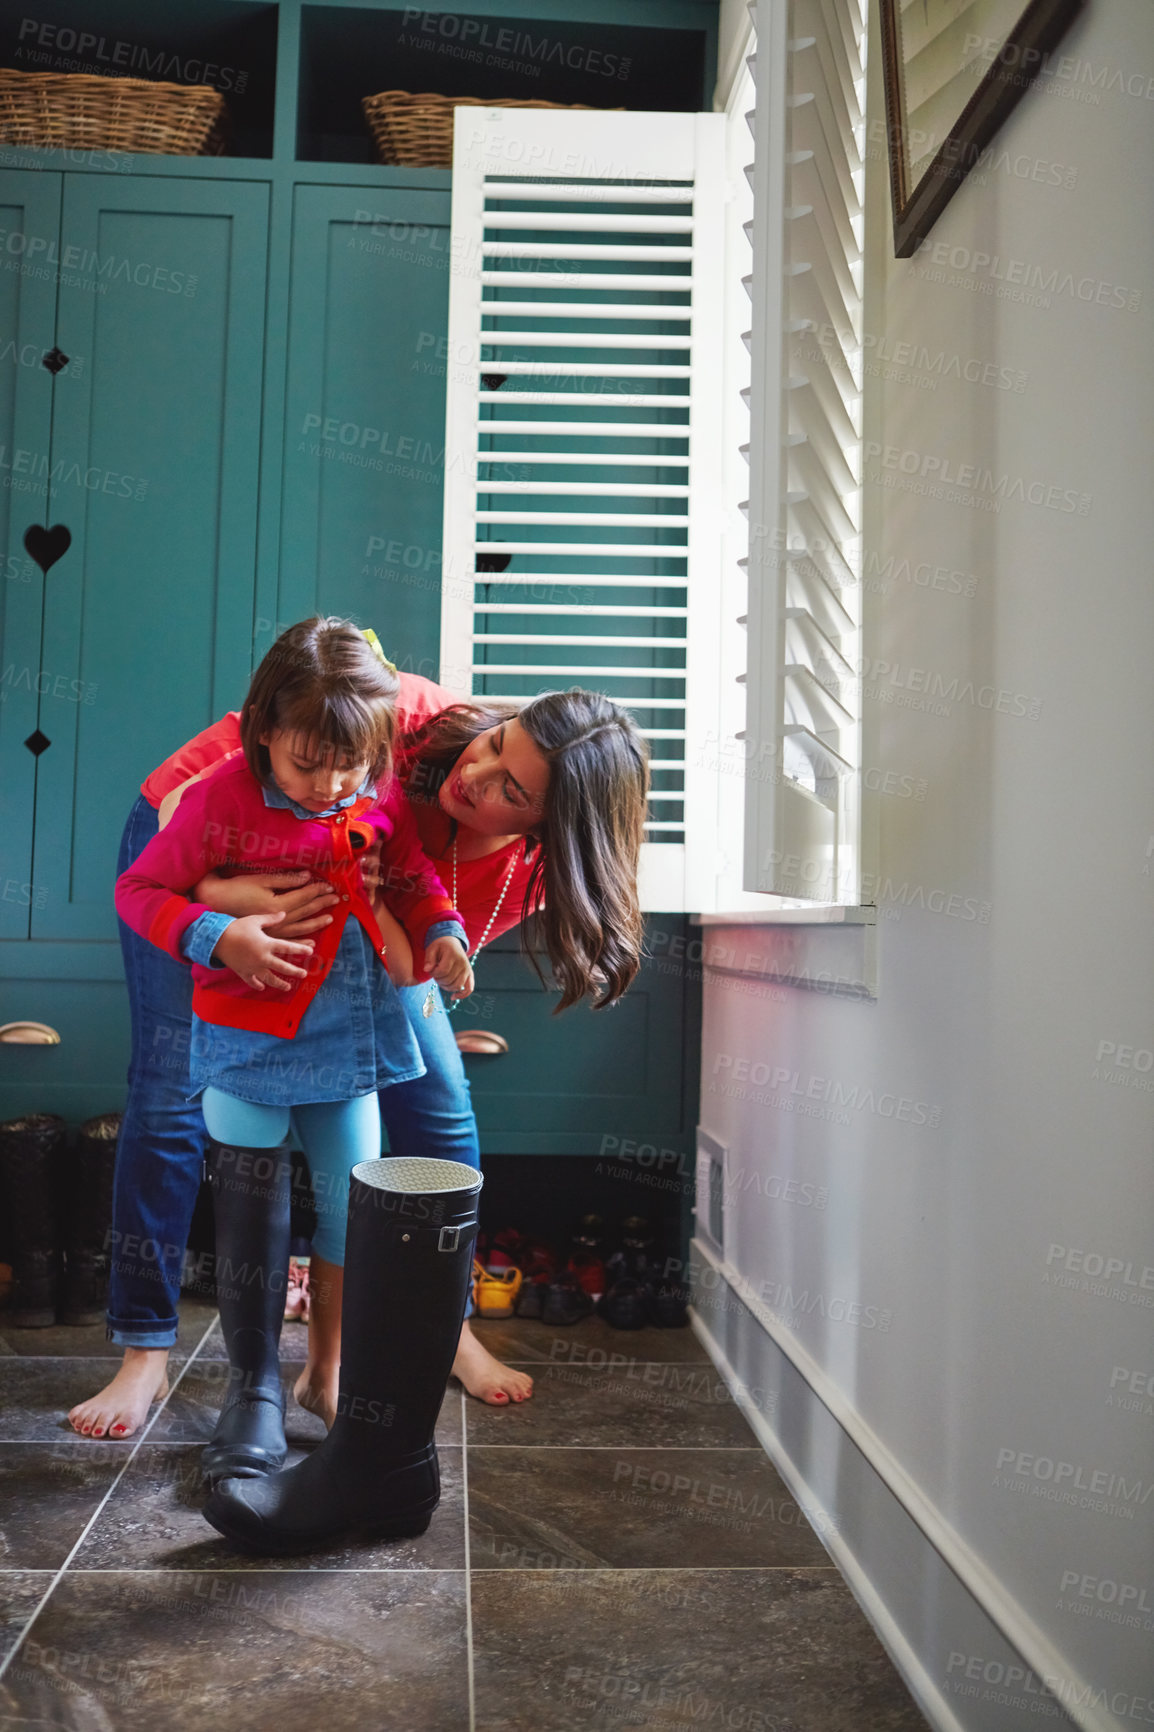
<point>98,1432</point>
<point>120,1428</point>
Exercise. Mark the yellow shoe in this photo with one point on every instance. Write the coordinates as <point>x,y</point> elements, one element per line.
<point>495,1291</point>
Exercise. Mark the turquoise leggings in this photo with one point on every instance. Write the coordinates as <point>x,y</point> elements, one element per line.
<point>335,1135</point>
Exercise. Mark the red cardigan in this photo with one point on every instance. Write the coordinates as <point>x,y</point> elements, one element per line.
<point>223,821</point>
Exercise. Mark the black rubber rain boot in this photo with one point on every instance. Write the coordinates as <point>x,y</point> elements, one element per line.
<point>408,1262</point>
<point>250,1198</point>
<point>88,1218</point>
<point>31,1151</point>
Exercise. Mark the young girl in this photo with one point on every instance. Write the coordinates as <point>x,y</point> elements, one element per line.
<point>308,1029</point>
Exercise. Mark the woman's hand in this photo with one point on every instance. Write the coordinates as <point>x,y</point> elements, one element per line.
<point>398,950</point>
<point>261,960</point>
<point>446,961</point>
<point>302,901</point>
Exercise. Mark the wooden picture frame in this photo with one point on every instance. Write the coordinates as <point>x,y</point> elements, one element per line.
<point>1019,58</point>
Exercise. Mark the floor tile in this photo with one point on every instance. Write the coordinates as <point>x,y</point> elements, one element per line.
<point>157,1653</point>
<point>679,1405</point>
<point>190,1413</point>
<point>20,1593</point>
<point>633,1509</point>
<point>590,1342</point>
<point>153,1521</point>
<point>766,1650</point>
<point>48,1492</point>
<point>62,1342</point>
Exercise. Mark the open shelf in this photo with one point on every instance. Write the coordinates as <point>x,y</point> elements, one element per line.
<point>229,44</point>
<point>348,52</point>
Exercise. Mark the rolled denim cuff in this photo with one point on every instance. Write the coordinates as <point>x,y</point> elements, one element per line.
<point>200,939</point>
<point>448,929</point>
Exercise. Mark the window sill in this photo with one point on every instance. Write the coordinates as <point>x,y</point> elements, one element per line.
<point>831,950</point>
<point>820,916</point>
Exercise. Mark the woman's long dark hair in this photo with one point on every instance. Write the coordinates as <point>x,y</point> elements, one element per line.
<point>588,839</point>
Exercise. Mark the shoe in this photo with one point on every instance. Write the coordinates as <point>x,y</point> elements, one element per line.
<point>88,1220</point>
<point>539,1267</point>
<point>495,1291</point>
<point>566,1301</point>
<point>505,1251</point>
<point>589,1233</point>
<point>590,1272</point>
<point>667,1304</point>
<point>251,1190</point>
<point>31,1149</point>
<point>296,1293</point>
<point>627,1303</point>
<point>410,1245</point>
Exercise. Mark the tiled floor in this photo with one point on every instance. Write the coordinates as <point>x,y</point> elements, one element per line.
<point>617,1552</point>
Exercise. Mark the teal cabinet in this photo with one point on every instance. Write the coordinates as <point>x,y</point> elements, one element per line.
<point>30,219</point>
<point>155,446</point>
<point>585,1082</point>
<point>364,424</point>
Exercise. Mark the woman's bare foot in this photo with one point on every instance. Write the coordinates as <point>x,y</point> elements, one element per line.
<point>484,1376</point>
<point>122,1406</point>
<point>316,1391</point>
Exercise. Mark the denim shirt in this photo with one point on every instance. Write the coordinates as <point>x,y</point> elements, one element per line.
<point>355,1038</point>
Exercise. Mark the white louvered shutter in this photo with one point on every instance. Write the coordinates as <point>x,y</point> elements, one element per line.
<point>583,450</point>
<point>803,818</point>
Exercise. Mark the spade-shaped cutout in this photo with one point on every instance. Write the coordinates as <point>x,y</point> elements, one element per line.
<point>46,546</point>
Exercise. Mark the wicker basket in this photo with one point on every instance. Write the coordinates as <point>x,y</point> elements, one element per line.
<point>417,131</point>
<point>68,110</point>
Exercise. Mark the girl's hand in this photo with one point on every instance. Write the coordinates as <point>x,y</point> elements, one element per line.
<point>449,966</point>
<point>303,901</point>
<point>259,959</point>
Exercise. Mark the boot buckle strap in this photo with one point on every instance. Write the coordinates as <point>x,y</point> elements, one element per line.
<point>449,1239</point>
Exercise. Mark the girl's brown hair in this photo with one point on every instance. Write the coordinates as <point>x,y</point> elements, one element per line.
<point>322,679</point>
<point>587,844</point>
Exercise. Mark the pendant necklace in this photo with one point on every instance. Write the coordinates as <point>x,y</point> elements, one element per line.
<point>430,1003</point>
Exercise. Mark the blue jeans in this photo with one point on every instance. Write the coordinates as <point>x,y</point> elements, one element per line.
<point>160,1153</point>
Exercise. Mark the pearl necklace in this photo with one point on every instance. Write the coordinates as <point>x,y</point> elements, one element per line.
<point>430,1003</point>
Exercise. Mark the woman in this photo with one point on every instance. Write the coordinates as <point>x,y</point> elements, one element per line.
<point>538,808</point>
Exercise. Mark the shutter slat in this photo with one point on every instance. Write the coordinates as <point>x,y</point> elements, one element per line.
<point>622,311</point>
<point>581,459</point>
<point>583,369</point>
<point>585,429</point>
<point>581,340</point>
<point>542,640</point>
<point>572,222</point>
<point>581,610</point>
<point>592,489</point>
<point>588,250</point>
<point>600,192</point>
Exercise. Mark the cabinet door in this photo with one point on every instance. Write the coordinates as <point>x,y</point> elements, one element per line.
<point>585,1082</point>
<point>148,617</point>
<point>365,415</point>
<point>30,220</point>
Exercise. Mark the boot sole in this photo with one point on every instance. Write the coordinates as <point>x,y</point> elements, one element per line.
<point>277,1546</point>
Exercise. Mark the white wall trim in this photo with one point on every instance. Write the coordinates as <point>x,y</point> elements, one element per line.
<point>989,1594</point>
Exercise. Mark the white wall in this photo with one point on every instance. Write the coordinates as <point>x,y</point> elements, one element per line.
<point>1015,883</point>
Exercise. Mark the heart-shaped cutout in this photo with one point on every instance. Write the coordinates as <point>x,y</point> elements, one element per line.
<point>46,546</point>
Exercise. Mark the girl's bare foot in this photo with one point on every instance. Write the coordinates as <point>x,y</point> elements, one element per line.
<point>484,1376</point>
<point>316,1391</point>
<point>122,1406</point>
